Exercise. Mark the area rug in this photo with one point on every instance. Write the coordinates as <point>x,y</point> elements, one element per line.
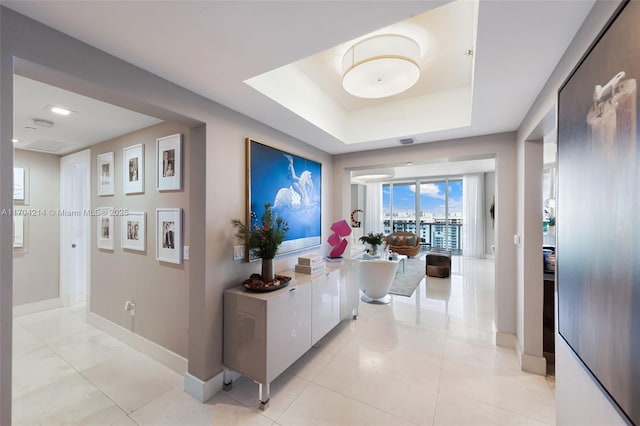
<point>405,283</point>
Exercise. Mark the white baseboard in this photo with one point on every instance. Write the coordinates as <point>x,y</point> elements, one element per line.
<point>42,305</point>
<point>530,363</point>
<point>203,391</point>
<point>506,340</point>
<point>163,355</point>
<point>534,364</point>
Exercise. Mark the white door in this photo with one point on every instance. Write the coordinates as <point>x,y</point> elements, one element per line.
<point>75,176</point>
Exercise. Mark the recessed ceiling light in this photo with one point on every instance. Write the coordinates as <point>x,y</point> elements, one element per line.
<point>409,163</point>
<point>14,140</point>
<point>60,110</point>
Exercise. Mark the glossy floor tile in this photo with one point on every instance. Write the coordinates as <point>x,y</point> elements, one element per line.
<point>428,359</point>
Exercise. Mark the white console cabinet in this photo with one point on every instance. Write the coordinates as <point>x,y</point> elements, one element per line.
<point>349,290</point>
<point>325,304</point>
<point>264,333</point>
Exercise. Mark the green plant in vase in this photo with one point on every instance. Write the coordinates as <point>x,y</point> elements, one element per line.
<point>263,238</point>
<point>374,240</point>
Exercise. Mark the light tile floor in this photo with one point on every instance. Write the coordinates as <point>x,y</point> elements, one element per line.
<point>424,360</point>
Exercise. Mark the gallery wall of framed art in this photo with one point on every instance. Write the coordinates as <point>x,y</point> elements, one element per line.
<point>167,170</point>
<point>135,269</point>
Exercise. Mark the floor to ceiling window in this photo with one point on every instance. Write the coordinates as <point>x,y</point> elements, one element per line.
<point>439,207</point>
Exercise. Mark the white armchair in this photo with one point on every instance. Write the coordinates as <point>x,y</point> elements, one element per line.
<point>376,277</point>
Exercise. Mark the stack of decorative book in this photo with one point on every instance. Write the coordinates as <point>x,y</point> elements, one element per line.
<point>310,264</point>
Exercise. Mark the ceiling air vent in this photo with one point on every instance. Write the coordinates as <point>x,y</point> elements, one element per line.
<point>49,146</point>
<point>406,141</point>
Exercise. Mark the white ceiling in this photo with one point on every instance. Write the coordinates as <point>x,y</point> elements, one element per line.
<point>312,87</point>
<point>90,122</point>
<point>212,47</point>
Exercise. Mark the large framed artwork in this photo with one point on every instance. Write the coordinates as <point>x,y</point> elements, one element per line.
<point>598,241</point>
<point>292,185</point>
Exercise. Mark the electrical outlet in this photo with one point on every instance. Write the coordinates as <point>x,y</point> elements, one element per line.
<point>238,252</point>
<point>130,307</point>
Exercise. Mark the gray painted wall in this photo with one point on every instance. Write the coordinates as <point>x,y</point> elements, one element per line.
<point>36,270</point>
<point>489,226</point>
<point>579,399</point>
<point>159,290</point>
<point>6,223</point>
<point>530,295</point>
<point>358,195</point>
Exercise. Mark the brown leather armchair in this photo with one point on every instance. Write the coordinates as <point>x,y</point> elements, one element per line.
<point>406,243</point>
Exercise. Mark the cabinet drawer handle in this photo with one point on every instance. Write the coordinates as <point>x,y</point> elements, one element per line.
<point>292,289</point>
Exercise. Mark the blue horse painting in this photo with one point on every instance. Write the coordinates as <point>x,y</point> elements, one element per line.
<point>292,185</point>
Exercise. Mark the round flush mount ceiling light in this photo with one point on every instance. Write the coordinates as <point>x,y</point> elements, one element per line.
<point>372,175</point>
<point>381,66</point>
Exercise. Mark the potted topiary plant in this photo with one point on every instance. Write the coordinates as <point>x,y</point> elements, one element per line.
<point>263,238</point>
<point>374,240</point>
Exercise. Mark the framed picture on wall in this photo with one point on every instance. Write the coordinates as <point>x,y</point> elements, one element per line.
<point>169,235</point>
<point>133,231</point>
<point>133,169</point>
<point>19,189</point>
<point>105,174</point>
<point>292,185</point>
<point>598,235</point>
<point>18,231</point>
<point>105,228</point>
<point>169,163</point>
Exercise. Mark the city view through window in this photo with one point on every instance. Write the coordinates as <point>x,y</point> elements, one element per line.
<point>439,206</point>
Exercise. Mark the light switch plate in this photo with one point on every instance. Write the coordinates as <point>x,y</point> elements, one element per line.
<point>238,252</point>
<point>185,253</point>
